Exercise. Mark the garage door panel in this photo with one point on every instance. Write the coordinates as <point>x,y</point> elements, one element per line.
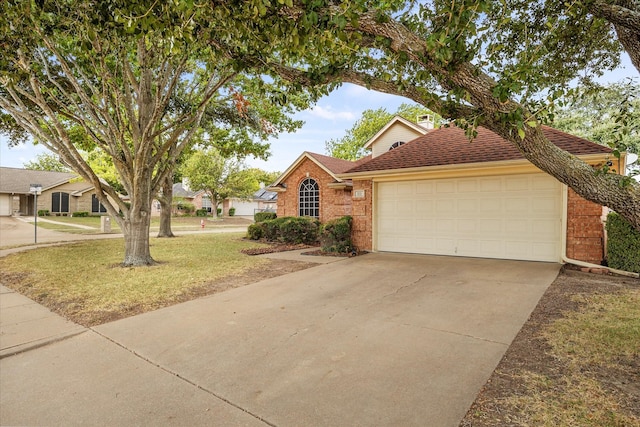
<point>445,187</point>
<point>510,217</point>
<point>517,205</point>
<point>517,184</point>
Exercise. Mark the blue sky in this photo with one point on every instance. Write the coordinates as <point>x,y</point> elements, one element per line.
<point>328,119</point>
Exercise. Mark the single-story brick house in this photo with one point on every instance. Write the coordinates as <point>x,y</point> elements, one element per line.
<point>440,194</point>
<point>62,193</point>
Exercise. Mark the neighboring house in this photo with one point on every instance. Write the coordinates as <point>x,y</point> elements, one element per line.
<point>442,194</point>
<point>262,200</point>
<point>181,191</point>
<point>62,193</point>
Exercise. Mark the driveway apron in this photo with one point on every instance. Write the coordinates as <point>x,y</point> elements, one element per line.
<point>380,339</point>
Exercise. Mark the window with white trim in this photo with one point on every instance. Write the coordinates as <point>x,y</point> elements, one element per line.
<point>396,145</point>
<point>309,198</point>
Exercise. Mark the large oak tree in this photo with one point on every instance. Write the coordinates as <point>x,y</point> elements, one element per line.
<point>132,79</point>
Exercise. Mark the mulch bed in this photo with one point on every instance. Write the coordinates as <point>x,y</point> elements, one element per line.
<point>273,248</point>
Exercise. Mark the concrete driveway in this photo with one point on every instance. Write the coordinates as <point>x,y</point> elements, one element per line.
<point>380,339</point>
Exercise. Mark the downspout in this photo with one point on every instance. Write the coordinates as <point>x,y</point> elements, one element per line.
<point>567,260</point>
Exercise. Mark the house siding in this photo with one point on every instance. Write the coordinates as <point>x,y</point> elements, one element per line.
<point>399,132</point>
<point>334,203</point>
<point>585,229</point>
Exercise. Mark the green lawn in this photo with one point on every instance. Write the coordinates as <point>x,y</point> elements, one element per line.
<point>177,223</point>
<point>84,282</point>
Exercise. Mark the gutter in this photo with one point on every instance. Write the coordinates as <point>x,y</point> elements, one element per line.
<point>567,260</point>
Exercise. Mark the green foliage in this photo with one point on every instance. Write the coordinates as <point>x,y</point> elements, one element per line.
<point>43,212</point>
<point>80,214</point>
<point>623,244</point>
<point>184,207</point>
<point>46,162</point>
<point>290,229</point>
<point>608,115</point>
<point>232,211</point>
<point>220,177</point>
<point>219,211</point>
<point>254,232</point>
<point>335,235</point>
<point>201,212</point>
<point>351,146</point>
<point>263,216</point>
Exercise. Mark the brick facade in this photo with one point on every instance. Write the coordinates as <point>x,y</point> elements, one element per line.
<point>334,203</point>
<point>585,230</point>
<point>362,229</point>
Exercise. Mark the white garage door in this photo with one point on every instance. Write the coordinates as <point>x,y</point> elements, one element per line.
<point>507,217</point>
<point>244,208</point>
<point>5,204</point>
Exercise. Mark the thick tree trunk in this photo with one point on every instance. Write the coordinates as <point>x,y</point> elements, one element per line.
<point>165,200</point>
<point>136,242</point>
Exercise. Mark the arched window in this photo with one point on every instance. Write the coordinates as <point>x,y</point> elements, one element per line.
<point>396,145</point>
<point>309,198</point>
<point>59,202</point>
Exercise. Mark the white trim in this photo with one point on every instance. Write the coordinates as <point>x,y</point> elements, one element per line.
<point>393,121</point>
<point>499,167</point>
<point>294,165</point>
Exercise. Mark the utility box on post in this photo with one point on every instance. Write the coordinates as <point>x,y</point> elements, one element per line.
<point>105,224</point>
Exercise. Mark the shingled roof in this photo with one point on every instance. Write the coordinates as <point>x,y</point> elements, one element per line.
<point>17,181</point>
<point>450,146</point>
<point>331,163</point>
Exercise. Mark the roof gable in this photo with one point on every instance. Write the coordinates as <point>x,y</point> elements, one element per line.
<point>387,135</point>
<point>450,146</point>
<point>331,165</point>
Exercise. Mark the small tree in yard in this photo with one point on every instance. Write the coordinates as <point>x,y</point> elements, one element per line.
<point>220,177</point>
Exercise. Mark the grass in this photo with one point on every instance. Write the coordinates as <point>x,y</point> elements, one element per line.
<point>84,282</point>
<point>603,336</point>
<point>177,224</point>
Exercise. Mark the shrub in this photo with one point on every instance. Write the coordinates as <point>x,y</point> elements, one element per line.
<point>623,244</point>
<point>186,208</point>
<point>290,230</point>
<point>80,214</point>
<point>43,212</point>
<point>254,232</point>
<point>263,216</point>
<point>201,212</point>
<point>335,235</point>
<point>219,211</point>
<point>299,230</point>
<point>232,211</point>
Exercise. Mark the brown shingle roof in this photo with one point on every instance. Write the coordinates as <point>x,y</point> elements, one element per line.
<point>14,180</point>
<point>334,165</point>
<point>450,146</point>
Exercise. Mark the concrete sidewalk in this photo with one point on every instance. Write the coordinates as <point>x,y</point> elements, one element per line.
<point>25,325</point>
<point>380,339</point>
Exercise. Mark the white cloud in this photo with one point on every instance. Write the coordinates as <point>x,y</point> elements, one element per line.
<point>329,114</point>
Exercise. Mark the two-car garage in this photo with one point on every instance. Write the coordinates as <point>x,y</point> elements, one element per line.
<point>509,216</point>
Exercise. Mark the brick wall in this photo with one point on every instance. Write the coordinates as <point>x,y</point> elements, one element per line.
<point>334,203</point>
<point>362,232</point>
<point>585,230</point>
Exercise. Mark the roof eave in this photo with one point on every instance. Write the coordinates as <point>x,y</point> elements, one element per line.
<point>588,158</point>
